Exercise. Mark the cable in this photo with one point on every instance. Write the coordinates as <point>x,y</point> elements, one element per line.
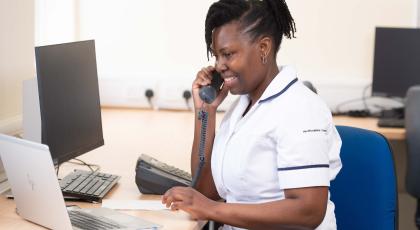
<point>203,116</point>
<point>364,97</point>
<point>57,168</point>
<point>364,100</point>
<point>86,164</point>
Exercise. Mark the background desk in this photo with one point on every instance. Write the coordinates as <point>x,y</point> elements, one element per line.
<point>165,135</point>
<point>371,124</point>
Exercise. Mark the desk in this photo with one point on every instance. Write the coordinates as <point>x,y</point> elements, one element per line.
<point>371,124</point>
<point>165,135</point>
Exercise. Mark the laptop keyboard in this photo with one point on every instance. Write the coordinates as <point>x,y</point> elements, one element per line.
<point>87,185</point>
<point>87,221</point>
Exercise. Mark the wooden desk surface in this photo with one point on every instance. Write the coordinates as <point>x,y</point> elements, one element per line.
<point>165,135</point>
<point>371,124</point>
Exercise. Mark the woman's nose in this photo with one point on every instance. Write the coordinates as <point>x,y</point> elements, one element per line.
<point>220,66</point>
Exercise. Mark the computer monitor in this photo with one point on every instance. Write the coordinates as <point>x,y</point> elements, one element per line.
<point>69,103</point>
<point>396,61</point>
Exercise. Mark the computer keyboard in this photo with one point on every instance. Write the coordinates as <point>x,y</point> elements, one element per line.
<point>87,185</point>
<point>84,220</point>
<point>391,122</point>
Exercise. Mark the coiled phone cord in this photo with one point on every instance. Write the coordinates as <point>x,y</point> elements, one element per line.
<point>203,116</point>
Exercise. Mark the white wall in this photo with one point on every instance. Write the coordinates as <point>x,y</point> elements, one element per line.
<point>142,38</point>
<point>160,43</point>
<point>336,38</point>
<point>164,40</point>
<point>418,13</point>
<point>335,42</point>
<point>55,21</point>
<point>16,59</point>
<point>155,44</point>
<point>16,63</point>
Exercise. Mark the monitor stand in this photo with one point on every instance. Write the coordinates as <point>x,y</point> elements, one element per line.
<point>31,113</point>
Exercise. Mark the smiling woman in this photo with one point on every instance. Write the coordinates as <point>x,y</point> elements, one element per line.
<point>272,172</point>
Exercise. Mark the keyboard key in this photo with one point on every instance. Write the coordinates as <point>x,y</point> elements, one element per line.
<point>107,175</point>
<point>102,188</point>
<point>81,185</point>
<point>75,183</point>
<point>87,221</point>
<point>88,186</point>
<point>95,187</point>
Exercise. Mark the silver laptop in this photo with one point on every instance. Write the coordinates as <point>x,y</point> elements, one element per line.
<point>38,197</point>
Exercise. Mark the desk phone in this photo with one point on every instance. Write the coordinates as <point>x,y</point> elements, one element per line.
<point>156,177</point>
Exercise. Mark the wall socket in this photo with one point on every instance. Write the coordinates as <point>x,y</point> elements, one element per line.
<point>171,91</point>
<point>128,92</point>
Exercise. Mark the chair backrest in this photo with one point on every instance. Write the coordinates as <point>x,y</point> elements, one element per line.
<point>412,126</point>
<point>365,191</point>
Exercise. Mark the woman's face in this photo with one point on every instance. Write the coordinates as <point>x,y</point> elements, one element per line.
<point>238,59</point>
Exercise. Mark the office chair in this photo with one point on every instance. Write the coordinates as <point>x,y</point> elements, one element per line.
<point>310,86</point>
<point>365,190</point>
<point>412,126</point>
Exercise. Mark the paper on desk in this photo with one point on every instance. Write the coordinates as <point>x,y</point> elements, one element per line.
<point>133,204</point>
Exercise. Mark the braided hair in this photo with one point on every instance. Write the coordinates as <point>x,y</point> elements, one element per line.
<point>259,17</point>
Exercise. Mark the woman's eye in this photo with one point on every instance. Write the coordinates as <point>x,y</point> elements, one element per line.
<point>228,55</point>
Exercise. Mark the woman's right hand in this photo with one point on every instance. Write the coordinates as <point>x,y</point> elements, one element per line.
<point>203,78</point>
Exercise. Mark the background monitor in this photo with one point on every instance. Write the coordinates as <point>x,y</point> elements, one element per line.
<point>396,61</point>
<point>69,99</point>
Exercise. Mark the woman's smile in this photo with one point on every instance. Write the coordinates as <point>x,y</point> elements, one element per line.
<point>231,81</point>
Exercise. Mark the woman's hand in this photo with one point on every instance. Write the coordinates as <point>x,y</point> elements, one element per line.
<point>190,201</point>
<point>203,78</point>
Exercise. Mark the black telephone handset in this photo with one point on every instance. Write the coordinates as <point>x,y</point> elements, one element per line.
<point>209,92</point>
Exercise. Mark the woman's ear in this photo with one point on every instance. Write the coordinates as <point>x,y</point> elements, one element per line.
<point>265,47</point>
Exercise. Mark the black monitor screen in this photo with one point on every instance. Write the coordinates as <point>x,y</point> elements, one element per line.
<point>69,99</point>
<point>397,61</point>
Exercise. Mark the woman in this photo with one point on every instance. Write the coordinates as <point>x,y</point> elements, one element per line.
<point>277,149</point>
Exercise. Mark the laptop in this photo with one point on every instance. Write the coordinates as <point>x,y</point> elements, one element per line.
<point>38,197</point>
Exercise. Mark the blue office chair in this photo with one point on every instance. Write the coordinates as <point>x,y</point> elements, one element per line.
<point>365,191</point>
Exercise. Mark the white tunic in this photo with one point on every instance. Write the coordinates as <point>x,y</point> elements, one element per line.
<point>286,140</point>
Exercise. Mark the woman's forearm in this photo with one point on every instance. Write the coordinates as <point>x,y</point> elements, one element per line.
<point>290,213</point>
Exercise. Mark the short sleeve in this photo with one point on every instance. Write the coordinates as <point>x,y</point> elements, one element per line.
<point>308,155</point>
